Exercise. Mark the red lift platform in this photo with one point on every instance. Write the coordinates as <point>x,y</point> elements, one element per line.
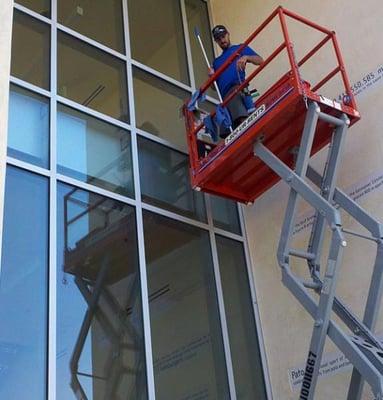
<point>230,169</point>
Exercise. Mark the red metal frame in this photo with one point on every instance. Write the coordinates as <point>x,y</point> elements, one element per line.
<point>230,169</point>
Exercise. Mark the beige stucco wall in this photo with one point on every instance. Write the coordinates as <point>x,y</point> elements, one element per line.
<point>286,326</point>
<point>5,62</point>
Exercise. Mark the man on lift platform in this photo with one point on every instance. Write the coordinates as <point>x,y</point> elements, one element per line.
<point>233,76</point>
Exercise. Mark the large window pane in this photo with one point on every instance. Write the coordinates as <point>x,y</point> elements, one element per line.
<point>93,151</point>
<point>100,351</point>
<point>30,50</point>
<point>158,106</point>
<point>225,214</point>
<point>23,287</point>
<point>157,37</point>
<point>90,18</point>
<point>28,137</point>
<point>248,372</point>
<point>164,176</point>
<point>42,7</point>
<point>198,17</point>
<point>91,77</point>
<point>187,344</point>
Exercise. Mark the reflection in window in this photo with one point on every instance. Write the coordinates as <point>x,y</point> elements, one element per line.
<point>225,214</point>
<point>100,345</point>
<point>158,106</point>
<point>93,151</point>
<point>187,344</point>
<point>30,50</point>
<point>198,17</point>
<point>23,287</point>
<point>165,182</point>
<point>248,373</point>
<point>28,137</point>
<point>90,17</point>
<point>157,37</point>
<point>42,7</point>
<point>91,77</point>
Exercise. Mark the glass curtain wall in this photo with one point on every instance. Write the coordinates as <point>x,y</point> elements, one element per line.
<point>117,281</point>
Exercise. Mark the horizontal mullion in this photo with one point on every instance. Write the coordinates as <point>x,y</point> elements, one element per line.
<point>92,42</point>
<point>29,86</point>
<point>212,100</point>
<point>32,13</point>
<point>228,234</point>
<point>93,113</point>
<point>28,167</point>
<point>161,75</point>
<point>175,216</point>
<point>95,189</point>
<point>162,141</point>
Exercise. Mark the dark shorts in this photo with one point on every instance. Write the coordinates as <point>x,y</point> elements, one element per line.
<point>236,106</point>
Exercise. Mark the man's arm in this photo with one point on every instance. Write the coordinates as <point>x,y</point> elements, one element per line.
<point>256,60</point>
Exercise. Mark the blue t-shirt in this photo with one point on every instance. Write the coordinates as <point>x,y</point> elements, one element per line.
<point>231,76</point>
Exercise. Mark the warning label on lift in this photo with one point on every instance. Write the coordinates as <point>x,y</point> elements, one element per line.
<point>246,124</point>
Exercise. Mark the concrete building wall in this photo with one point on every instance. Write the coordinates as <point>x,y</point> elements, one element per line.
<point>5,65</point>
<point>286,326</point>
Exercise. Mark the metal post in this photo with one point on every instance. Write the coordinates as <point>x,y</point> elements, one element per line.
<point>327,191</point>
<point>301,167</point>
<point>322,317</point>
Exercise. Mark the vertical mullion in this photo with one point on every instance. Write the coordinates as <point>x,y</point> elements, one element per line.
<point>212,22</point>
<point>250,277</point>
<point>52,286</point>
<point>4,124</point>
<point>221,303</point>
<point>187,44</point>
<point>139,217</point>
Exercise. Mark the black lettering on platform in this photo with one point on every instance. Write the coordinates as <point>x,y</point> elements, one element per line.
<point>308,377</point>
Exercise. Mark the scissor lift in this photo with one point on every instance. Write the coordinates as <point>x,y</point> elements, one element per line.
<point>292,122</point>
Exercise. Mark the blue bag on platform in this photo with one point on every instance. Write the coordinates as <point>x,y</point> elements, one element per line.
<point>211,127</point>
<point>222,117</point>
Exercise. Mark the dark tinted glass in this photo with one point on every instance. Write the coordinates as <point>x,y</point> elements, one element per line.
<point>91,77</point>
<point>93,151</point>
<point>198,17</point>
<point>30,50</point>
<point>225,214</point>
<point>157,37</point>
<point>24,287</point>
<point>165,182</point>
<point>99,19</point>
<point>42,7</point>
<point>187,344</point>
<point>248,372</point>
<point>158,106</point>
<point>100,345</point>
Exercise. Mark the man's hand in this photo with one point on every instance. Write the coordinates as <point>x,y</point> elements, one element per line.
<point>256,60</point>
<point>241,63</point>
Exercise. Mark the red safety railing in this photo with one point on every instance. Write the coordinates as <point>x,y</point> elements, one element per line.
<point>281,13</point>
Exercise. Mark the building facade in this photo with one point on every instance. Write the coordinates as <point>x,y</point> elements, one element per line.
<point>117,280</point>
